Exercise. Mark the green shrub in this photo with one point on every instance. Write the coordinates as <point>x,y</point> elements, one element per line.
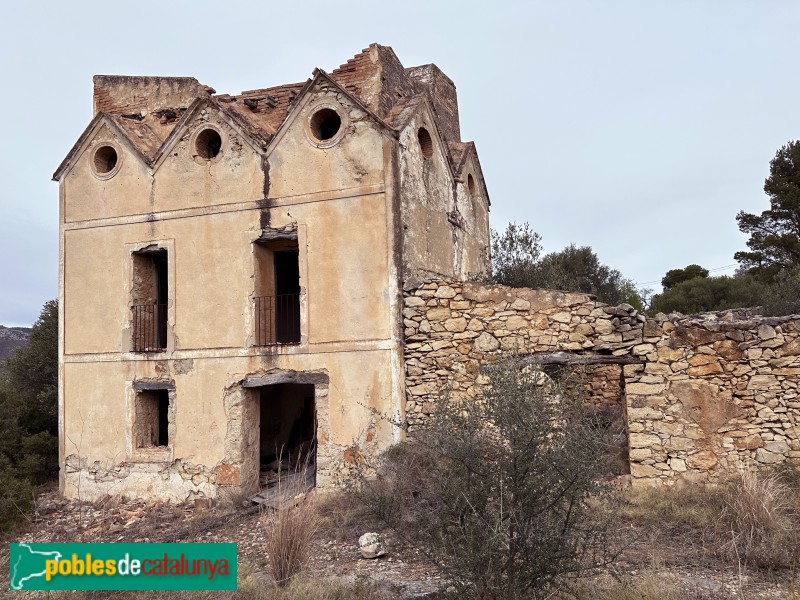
<point>16,498</point>
<point>495,492</point>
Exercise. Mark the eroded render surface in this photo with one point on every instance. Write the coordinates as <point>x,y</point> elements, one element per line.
<point>175,204</point>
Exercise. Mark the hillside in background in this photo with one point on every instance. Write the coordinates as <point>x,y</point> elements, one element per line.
<point>12,338</point>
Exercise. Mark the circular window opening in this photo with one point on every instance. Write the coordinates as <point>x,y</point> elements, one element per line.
<point>208,143</point>
<point>471,185</point>
<point>105,160</point>
<point>425,142</point>
<point>325,123</point>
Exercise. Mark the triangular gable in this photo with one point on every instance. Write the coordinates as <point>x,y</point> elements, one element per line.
<point>470,156</point>
<point>256,142</point>
<point>407,109</point>
<point>304,97</point>
<point>98,121</point>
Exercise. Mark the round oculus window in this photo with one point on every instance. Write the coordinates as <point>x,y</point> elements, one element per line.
<point>326,125</point>
<point>105,161</point>
<point>208,143</point>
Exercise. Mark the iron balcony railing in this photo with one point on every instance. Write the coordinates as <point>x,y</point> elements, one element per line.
<point>277,319</point>
<point>149,327</point>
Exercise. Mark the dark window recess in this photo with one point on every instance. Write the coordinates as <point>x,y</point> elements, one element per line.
<point>152,419</point>
<point>287,291</point>
<point>163,418</point>
<point>325,124</point>
<point>277,313</point>
<point>208,144</point>
<point>150,296</point>
<point>288,431</point>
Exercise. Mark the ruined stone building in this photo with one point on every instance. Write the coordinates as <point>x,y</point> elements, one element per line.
<point>247,281</point>
<point>231,271</point>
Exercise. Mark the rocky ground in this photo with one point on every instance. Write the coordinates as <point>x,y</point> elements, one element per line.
<point>402,569</point>
<point>670,556</point>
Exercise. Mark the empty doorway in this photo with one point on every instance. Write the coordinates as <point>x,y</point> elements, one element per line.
<point>287,432</point>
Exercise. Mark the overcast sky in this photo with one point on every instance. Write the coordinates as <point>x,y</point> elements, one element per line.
<point>637,128</point>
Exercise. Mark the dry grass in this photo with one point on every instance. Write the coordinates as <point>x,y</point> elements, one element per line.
<point>342,516</point>
<point>647,586</point>
<point>694,507</point>
<point>760,520</point>
<point>250,588</point>
<point>290,529</point>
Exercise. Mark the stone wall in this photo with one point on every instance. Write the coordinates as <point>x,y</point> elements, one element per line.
<point>700,396</point>
<point>717,392</point>
<point>451,328</point>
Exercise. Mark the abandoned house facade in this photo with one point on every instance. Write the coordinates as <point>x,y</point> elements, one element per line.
<point>231,271</point>
<point>251,282</point>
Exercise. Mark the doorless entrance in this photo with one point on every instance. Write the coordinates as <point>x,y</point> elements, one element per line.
<point>287,432</point>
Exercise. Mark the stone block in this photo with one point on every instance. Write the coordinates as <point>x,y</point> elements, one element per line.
<point>750,442</point>
<point>768,458</point>
<point>701,359</point>
<point>561,317</point>
<point>645,389</point>
<point>520,304</point>
<point>228,474</point>
<point>486,342</point>
<point>762,382</point>
<point>703,370</point>
<point>440,313</point>
<point>668,355</point>
<point>457,324</point>
<point>639,470</point>
<point>412,301</point>
<point>766,332</point>
<point>515,322</point>
<point>644,440</point>
<point>444,291</point>
<point>704,460</point>
<point>677,464</point>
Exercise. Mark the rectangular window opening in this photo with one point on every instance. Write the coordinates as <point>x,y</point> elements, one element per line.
<point>151,428</point>
<point>150,293</point>
<point>277,293</point>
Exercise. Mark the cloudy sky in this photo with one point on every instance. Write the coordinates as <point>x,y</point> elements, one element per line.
<point>638,128</point>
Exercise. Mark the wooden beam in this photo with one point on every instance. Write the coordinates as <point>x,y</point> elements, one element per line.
<point>276,377</point>
<point>277,235</point>
<point>572,359</point>
<point>147,385</point>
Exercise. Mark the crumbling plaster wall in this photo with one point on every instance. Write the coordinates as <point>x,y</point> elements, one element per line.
<point>702,396</point>
<point>213,449</point>
<point>208,215</point>
<point>445,227</point>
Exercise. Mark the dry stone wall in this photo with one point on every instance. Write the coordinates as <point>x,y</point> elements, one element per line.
<point>717,392</point>
<point>706,395</point>
<point>451,328</point>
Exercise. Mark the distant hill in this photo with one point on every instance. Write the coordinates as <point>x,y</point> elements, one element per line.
<point>12,338</point>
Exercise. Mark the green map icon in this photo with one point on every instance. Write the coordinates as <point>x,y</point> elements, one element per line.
<point>28,564</point>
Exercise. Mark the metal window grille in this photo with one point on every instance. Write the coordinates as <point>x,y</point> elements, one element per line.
<point>149,327</point>
<point>277,319</point>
